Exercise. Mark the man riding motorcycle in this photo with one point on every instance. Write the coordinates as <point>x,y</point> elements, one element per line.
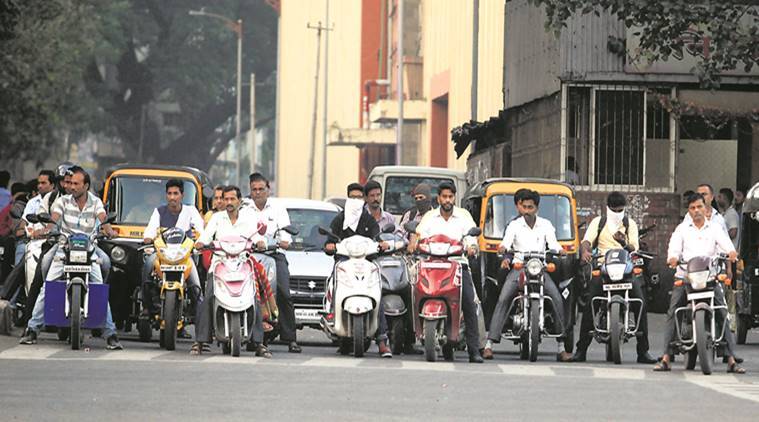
<point>455,223</point>
<point>173,214</point>
<point>355,219</point>
<point>618,231</point>
<point>236,220</point>
<point>373,197</point>
<point>275,217</point>
<point>79,212</point>
<point>423,202</point>
<point>697,236</point>
<point>527,233</point>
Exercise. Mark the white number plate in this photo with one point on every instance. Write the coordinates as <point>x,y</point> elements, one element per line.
<point>638,262</point>
<point>701,295</point>
<point>76,268</point>
<point>390,264</point>
<point>618,286</point>
<point>756,271</point>
<point>173,267</point>
<point>2,250</point>
<point>307,314</point>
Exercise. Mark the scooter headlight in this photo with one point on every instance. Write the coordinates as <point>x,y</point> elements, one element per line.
<point>534,267</point>
<point>78,257</point>
<point>118,255</point>
<point>698,279</point>
<point>615,271</point>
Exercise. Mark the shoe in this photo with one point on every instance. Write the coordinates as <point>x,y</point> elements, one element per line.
<point>579,356</point>
<point>564,357</point>
<point>645,357</point>
<point>263,352</point>
<point>384,351</point>
<point>411,349</point>
<point>475,357</point>
<point>112,343</point>
<point>29,338</point>
<point>294,348</point>
<point>737,359</point>
<point>487,353</point>
<point>251,347</point>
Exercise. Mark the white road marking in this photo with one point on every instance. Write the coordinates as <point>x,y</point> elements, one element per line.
<point>725,384</point>
<point>29,352</point>
<point>619,373</point>
<point>139,355</point>
<point>427,366</point>
<point>347,362</point>
<point>527,370</point>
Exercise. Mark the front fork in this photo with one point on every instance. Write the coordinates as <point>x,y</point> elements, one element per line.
<point>85,299</point>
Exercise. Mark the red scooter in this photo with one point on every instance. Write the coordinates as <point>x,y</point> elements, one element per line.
<point>437,295</point>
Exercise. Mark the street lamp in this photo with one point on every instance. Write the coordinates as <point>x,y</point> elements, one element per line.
<point>235,26</point>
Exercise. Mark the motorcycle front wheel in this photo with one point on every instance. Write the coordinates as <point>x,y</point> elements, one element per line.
<point>75,316</point>
<point>703,343</point>
<point>397,335</point>
<point>358,336</point>
<point>235,339</point>
<point>615,333</point>
<point>430,340</point>
<point>170,319</point>
<point>534,329</point>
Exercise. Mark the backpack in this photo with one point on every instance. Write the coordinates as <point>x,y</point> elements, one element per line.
<point>602,224</point>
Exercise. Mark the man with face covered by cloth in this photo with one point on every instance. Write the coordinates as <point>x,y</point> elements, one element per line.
<point>423,202</point>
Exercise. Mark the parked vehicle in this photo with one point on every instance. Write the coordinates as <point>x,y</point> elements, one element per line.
<point>437,294</point>
<point>747,288</point>
<point>353,294</point>
<point>616,315</point>
<point>698,333</point>
<point>132,192</point>
<point>396,290</point>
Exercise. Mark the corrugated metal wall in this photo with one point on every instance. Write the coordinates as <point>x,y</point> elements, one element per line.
<point>584,46</point>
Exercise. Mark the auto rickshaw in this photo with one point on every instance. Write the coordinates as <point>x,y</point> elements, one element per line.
<point>747,287</point>
<point>133,191</point>
<point>491,204</point>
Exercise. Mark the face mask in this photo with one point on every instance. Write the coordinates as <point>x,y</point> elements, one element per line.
<point>614,219</point>
<point>423,205</point>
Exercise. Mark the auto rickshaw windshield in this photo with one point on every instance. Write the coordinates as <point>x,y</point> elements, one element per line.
<point>135,198</point>
<point>555,208</point>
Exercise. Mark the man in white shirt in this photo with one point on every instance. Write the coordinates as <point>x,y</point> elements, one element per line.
<point>710,213</point>
<point>528,233</point>
<point>173,214</point>
<point>276,217</point>
<point>455,222</point>
<point>697,237</point>
<point>732,219</point>
<point>236,220</point>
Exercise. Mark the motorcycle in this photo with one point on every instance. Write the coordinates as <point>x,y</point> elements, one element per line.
<point>616,317</point>
<point>697,332</point>
<point>354,291</point>
<point>528,319</point>
<point>437,294</point>
<point>75,303</point>
<point>396,290</point>
<point>172,267</point>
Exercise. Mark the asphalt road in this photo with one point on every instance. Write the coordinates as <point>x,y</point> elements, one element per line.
<point>51,382</point>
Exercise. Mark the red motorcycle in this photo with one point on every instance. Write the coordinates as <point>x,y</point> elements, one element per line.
<point>437,295</point>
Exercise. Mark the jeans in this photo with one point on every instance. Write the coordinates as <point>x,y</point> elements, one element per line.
<point>20,251</point>
<point>55,273</point>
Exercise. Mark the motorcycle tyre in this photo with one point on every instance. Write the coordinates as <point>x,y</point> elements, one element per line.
<point>358,336</point>
<point>170,320</point>
<point>75,316</point>
<point>397,335</point>
<point>690,359</point>
<point>145,330</point>
<point>705,350</point>
<point>615,334</point>
<point>524,351</point>
<point>235,339</point>
<point>534,330</point>
<point>430,340</point>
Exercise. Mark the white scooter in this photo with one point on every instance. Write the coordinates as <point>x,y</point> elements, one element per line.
<point>354,292</point>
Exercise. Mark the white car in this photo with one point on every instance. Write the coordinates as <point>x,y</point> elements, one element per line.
<point>309,265</point>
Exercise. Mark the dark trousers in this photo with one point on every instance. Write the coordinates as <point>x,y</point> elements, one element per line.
<point>204,324</point>
<point>471,328</point>
<point>586,326</point>
<point>287,330</point>
<point>509,292</point>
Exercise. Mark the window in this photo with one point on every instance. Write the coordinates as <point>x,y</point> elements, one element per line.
<point>307,221</point>
<point>135,198</point>
<point>398,189</point>
<point>618,147</point>
<point>555,208</point>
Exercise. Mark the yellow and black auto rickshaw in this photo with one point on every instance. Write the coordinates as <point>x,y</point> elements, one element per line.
<point>133,191</point>
<point>491,204</point>
<point>747,286</point>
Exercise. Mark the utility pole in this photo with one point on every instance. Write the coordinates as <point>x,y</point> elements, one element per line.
<point>326,97</point>
<point>399,53</point>
<point>319,28</point>
<point>252,152</point>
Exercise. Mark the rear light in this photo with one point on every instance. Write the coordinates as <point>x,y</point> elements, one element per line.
<point>330,316</point>
<point>518,265</point>
<point>550,267</point>
<point>596,273</point>
<point>637,271</point>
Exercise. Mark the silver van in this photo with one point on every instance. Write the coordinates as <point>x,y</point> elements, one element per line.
<point>398,182</point>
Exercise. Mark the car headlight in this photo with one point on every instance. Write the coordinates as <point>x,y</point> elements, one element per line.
<point>534,267</point>
<point>615,271</point>
<point>118,255</point>
<point>698,279</point>
<point>78,257</point>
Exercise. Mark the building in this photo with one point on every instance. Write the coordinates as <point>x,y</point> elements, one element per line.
<point>362,100</point>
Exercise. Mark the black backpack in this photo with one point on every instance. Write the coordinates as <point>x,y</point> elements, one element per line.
<point>602,224</point>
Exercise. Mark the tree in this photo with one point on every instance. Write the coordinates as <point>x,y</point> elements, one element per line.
<point>732,28</point>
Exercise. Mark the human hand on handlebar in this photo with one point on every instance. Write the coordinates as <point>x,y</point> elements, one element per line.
<point>471,251</point>
<point>732,256</point>
<point>672,262</point>
<point>261,245</point>
<point>505,264</point>
<point>384,246</point>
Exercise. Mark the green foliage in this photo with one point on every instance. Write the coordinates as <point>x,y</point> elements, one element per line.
<point>732,27</point>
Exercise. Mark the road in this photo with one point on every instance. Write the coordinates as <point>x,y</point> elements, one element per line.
<point>50,382</point>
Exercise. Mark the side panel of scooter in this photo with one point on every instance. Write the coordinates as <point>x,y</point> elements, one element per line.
<point>438,281</point>
<point>344,291</point>
<point>55,305</point>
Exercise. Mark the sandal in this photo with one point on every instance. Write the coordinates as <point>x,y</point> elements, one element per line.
<point>199,348</point>
<point>735,369</point>
<point>262,351</point>
<point>662,366</point>
<point>267,327</point>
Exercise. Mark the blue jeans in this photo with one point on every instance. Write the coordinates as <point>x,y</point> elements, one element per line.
<point>55,273</point>
<point>20,251</point>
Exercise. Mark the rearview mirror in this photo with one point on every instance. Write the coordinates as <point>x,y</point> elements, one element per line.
<point>110,218</point>
<point>582,225</point>
<point>411,226</point>
<point>291,230</point>
<point>474,231</point>
<point>389,228</point>
<point>32,218</point>
<point>44,218</point>
<point>16,213</point>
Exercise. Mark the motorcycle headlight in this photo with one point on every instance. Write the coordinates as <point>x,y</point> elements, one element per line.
<point>534,266</point>
<point>78,257</point>
<point>118,255</point>
<point>174,253</point>
<point>355,249</point>
<point>615,271</point>
<point>698,279</point>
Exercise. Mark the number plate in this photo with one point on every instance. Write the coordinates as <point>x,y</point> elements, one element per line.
<point>2,250</point>
<point>756,272</point>
<point>618,286</point>
<point>307,314</point>
<point>390,263</point>
<point>638,262</point>
<point>173,268</point>
<point>700,295</point>
<point>76,268</point>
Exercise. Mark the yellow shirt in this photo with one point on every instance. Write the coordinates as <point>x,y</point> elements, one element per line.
<point>207,217</point>
<point>606,239</point>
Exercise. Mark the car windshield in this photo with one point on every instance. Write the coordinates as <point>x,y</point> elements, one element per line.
<point>135,198</point>
<point>307,221</point>
<point>398,189</point>
<point>556,208</point>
